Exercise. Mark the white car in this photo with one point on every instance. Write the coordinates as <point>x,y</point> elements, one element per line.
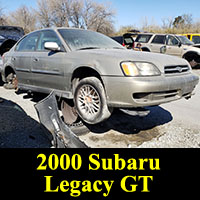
<point>170,44</point>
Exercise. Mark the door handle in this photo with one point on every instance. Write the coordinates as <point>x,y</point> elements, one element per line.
<point>13,59</point>
<point>35,59</point>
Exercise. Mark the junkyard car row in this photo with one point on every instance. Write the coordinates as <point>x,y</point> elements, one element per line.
<point>94,74</point>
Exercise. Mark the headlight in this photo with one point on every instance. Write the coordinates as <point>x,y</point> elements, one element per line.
<point>139,69</point>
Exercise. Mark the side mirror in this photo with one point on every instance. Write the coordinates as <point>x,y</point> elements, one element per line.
<point>53,46</point>
<point>179,44</point>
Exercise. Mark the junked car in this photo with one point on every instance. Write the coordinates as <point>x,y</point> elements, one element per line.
<point>126,40</point>
<point>9,35</point>
<point>194,37</point>
<point>94,74</point>
<point>170,44</point>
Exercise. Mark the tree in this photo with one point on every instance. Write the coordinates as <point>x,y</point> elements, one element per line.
<point>24,18</point>
<point>60,12</point>
<point>183,21</point>
<point>2,17</point>
<point>178,22</point>
<point>91,15</point>
<point>86,14</point>
<point>53,13</point>
<point>43,14</point>
<point>167,22</point>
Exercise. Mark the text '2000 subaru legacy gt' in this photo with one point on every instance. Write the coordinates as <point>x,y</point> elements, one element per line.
<point>96,73</point>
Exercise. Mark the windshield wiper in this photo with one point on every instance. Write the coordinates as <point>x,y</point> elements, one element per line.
<point>86,48</point>
<point>118,48</point>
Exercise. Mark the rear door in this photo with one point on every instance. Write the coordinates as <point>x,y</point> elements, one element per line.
<point>22,58</point>
<point>157,43</point>
<point>48,66</point>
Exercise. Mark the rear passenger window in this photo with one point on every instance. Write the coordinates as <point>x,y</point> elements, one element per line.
<point>159,39</point>
<point>143,38</point>
<point>28,43</point>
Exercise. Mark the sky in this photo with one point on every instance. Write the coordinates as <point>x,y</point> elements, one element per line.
<point>132,12</point>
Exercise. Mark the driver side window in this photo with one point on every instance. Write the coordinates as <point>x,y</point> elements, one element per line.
<point>172,41</point>
<point>47,36</point>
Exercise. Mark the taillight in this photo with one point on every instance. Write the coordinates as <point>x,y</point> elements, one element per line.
<point>123,45</point>
<point>133,45</point>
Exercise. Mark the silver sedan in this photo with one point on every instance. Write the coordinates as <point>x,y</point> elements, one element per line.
<point>94,74</point>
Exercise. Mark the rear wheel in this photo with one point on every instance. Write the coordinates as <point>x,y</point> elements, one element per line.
<point>90,101</point>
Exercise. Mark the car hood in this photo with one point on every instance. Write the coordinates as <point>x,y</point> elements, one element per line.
<point>196,45</point>
<point>113,57</point>
<point>195,48</point>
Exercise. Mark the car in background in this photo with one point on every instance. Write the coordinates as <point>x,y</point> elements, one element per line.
<point>170,44</point>
<point>9,35</point>
<point>1,64</point>
<point>194,37</point>
<point>94,74</point>
<point>126,40</point>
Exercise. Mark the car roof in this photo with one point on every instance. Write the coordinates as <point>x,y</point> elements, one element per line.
<point>153,34</point>
<point>56,28</point>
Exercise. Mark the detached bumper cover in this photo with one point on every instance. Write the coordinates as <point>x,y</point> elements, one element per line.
<point>49,117</point>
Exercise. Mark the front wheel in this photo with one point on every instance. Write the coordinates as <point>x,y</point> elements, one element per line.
<point>11,81</point>
<point>90,101</point>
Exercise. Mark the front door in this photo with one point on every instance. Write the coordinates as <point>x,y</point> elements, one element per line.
<point>173,46</point>
<point>48,66</point>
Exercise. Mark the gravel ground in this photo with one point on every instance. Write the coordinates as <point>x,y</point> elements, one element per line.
<point>173,125</point>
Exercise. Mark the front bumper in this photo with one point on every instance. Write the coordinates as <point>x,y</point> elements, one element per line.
<point>133,92</point>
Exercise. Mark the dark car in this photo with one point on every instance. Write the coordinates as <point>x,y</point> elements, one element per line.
<point>9,35</point>
<point>126,40</point>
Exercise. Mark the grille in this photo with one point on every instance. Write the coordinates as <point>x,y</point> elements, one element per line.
<point>178,69</point>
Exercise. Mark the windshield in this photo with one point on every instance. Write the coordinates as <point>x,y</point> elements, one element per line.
<point>184,40</point>
<point>78,39</point>
<point>196,39</point>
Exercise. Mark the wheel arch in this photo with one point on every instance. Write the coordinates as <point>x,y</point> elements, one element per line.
<point>7,70</point>
<point>146,49</point>
<point>83,72</point>
<point>192,57</point>
<point>190,54</point>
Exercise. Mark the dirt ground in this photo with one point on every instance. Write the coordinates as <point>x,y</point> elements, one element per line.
<point>173,125</point>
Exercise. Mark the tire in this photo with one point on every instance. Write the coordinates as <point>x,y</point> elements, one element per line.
<point>90,101</point>
<point>11,82</point>
<point>9,86</point>
<point>193,59</point>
